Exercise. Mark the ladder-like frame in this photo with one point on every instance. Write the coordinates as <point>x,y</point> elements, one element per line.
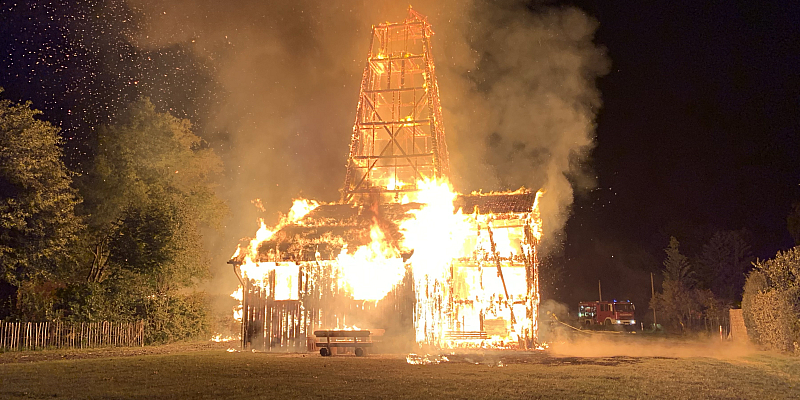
<point>398,136</point>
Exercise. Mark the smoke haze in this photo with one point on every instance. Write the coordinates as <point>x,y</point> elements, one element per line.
<point>517,88</point>
<point>602,345</point>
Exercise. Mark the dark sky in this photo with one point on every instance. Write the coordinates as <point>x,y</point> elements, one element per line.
<point>697,132</point>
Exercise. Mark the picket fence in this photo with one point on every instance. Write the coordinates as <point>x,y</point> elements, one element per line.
<point>16,336</point>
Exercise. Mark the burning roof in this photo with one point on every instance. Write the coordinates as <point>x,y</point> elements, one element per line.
<point>324,231</point>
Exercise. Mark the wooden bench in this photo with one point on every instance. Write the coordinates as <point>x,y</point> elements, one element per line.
<point>465,335</point>
<point>343,338</point>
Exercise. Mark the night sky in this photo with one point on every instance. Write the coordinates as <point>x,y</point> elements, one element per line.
<point>697,131</point>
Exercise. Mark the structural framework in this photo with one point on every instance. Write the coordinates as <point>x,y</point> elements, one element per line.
<point>398,136</point>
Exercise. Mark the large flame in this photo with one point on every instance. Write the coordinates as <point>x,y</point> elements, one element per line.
<point>372,270</point>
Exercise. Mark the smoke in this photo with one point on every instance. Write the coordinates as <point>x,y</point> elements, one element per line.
<point>517,86</point>
<point>605,345</point>
<point>558,329</point>
<point>528,104</point>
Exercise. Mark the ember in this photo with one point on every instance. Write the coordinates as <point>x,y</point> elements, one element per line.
<point>402,250</point>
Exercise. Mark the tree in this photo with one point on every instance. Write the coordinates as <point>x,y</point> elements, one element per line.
<point>678,302</point>
<point>148,196</point>
<point>724,261</point>
<point>676,266</point>
<point>37,200</point>
<point>149,193</point>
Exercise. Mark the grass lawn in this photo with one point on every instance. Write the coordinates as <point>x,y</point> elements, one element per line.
<point>214,373</point>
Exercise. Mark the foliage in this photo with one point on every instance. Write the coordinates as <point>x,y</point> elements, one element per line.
<point>37,201</point>
<point>147,198</point>
<point>36,300</point>
<point>755,283</point>
<point>177,317</point>
<point>148,195</point>
<point>771,303</point>
<point>723,263</point>
<point>680,304</point>
<point>676,266</point>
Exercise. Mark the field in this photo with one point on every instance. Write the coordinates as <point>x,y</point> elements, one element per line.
<point>593,368</point>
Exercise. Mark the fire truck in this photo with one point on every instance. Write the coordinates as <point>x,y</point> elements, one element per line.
<point>592,314</point>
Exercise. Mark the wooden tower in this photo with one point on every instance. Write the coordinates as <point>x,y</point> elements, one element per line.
<point>398,136</point>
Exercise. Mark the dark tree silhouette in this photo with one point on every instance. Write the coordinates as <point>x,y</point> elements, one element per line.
<point>724,262</point>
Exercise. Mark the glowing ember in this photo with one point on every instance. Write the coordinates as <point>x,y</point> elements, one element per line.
<point>221,339</point>
<point>426,359</point>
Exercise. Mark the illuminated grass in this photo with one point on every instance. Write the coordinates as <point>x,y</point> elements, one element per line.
<point>217,374</point>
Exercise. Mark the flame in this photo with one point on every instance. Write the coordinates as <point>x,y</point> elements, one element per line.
<point>435,233</point>
<point>262,235</point>
<point>219,338</point>
<point>237,310</point>
<point>300,208</point>
<point>372,270</point>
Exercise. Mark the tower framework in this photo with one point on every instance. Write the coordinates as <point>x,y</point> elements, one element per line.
<point>398,136</point>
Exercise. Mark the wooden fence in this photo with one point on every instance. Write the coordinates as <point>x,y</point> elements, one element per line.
<point>64,335</point>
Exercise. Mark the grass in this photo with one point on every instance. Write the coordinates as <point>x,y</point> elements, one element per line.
<point>205,373</point>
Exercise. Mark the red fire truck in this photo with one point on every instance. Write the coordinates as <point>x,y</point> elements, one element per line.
<point>606,313</point>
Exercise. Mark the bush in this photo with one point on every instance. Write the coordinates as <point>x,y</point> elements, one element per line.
<point>176,318</point>
<point>770,305</point>
<point>169,317</point>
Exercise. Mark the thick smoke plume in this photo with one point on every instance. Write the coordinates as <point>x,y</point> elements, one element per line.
<point>517,86</point>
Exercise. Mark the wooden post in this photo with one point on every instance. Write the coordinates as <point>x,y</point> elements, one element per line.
<point>599,290</point>
<point>653,295</point>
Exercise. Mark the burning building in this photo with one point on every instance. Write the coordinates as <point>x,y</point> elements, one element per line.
<point>400,252</point>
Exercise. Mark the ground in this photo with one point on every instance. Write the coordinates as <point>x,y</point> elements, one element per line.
<point>592,367</point>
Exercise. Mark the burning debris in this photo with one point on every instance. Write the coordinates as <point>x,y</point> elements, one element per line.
<point>401,252</point>
<point>220,339</point>
<point>427,359</point>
